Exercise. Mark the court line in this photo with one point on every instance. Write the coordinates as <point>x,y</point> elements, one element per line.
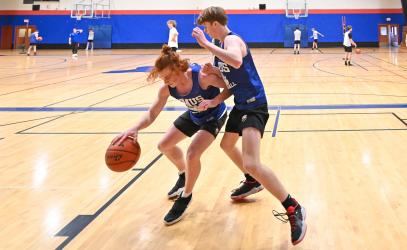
<point>80,222</point>
<point>377,58</point>
<point>67,80</point>
<point>315,66</point>
<point>276,122</point>
<point>76,66</point>
<point>178,108</point>
<point>343,130</point>
<point>41,66</point>
<point>384,69</point>
<point>402,121</point>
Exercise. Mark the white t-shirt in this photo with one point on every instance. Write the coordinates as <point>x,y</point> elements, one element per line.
<point>346,39</point>
<point>297,35</point>
<point>91,35</point>
<point>315,34</point>
<point>173,32</point>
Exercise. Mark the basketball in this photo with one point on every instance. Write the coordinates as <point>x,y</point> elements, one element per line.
<point>358,51</point>
<point>39,38</point>
<point>120,158</point>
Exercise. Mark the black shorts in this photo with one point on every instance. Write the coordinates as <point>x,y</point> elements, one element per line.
<point>315,40</point>
<point>33,44</point>
<point>347,49</point>
<point>185,124</point>
<point>174,49</point>
<point>251,118</point>
<point>297,42</point>
<point>90,41</point>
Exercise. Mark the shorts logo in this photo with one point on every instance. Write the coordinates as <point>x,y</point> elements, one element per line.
<point>244,118</point>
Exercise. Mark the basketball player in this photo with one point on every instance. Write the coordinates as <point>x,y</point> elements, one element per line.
<point>173,35</point>
<point>249,115</point>
<point>74,41</point>
<point>34,38</point>
<point>297,40</point>
<point>187,83</point>
<point>347,45</point>
<point>315,34</point>
<point>91,36</point>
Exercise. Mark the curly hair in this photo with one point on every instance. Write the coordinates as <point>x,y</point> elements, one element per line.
<point>168,58</point>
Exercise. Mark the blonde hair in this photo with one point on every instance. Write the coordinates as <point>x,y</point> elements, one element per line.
<point>212,14</point>
<point>172,22</point>
<point>168,58</point>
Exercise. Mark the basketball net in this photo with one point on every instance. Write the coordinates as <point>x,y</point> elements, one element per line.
<point>296,14</point>
<point>78,17</point>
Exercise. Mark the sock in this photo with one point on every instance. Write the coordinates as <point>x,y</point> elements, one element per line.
<point>289,201</point>
<point>185,195</point>
<point>249,178</point>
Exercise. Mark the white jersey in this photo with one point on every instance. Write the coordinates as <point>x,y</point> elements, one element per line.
<point>173,32</point>
<point>346,39</point>
<point>297,35</point>
<point>91,35</point>
<point>315,34</point>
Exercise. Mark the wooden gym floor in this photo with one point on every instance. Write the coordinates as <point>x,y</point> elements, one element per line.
<point>337,138</point>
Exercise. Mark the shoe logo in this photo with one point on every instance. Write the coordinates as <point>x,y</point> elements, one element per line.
<point>216,131</point>
<point>244,118</point>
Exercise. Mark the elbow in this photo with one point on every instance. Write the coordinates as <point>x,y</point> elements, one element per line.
<point>237,64</point>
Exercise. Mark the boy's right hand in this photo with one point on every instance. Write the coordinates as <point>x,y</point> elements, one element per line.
<point>129,133</point>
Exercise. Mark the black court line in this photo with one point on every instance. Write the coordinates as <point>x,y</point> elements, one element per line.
<point>315,66</point>
<point>77,112</point>
<point>272,51</point>
<point>386,61</point>
<point>41,71</point>
<point>360,66</point>
<point>402,121</point>
<point>41,66</point>
<point>384,69</point>
<point>67,80</point>
<point>42,118</point>
<point>80,222</point>
<point>94,91</point>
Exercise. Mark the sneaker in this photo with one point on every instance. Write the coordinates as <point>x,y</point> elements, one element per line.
<point>346,63</point>
<point>176,191</point>
<point>177,211</point>
<point>296,217</point>
<point>350,64</point>
<point>245,189</point>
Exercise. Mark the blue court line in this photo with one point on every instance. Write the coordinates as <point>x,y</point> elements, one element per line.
<point>271,107</point>
<point>276,123</point>
<point>138,69</point>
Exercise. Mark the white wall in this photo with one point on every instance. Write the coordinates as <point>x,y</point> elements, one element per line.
<point>200,4</point>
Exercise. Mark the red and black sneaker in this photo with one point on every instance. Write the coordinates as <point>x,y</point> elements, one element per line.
<point>296,217</point>
<point>245,189</point>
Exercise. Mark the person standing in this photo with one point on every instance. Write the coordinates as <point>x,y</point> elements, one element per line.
<point>347,45</point>
<point>173,35</point>
<point>315,34</point>
<point>74,41</point>
<point>249,116</point>
<point>34,39</point>
<point>297,40</point>
<point>91,36</point>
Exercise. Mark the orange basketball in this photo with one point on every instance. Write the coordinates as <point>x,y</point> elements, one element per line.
<point>358,51</point>
<point>120,158</point>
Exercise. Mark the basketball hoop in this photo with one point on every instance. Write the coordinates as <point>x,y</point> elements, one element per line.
<point>296,14</point>
<point>78,17</point>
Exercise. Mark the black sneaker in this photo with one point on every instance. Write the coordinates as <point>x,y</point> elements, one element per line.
<point>346,63</point>
<point>245,189</point>
<point>350,64</point>
<point>296,217</point>
<point>176,191</point>
<point>177,211</point>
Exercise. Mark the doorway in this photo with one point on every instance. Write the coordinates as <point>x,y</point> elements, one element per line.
<point>22,36</point>
<point>389,34</point>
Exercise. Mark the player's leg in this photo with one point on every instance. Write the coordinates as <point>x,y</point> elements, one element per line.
<point>168,146</point>
<point>232,133</point>
<point>251,160</point>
